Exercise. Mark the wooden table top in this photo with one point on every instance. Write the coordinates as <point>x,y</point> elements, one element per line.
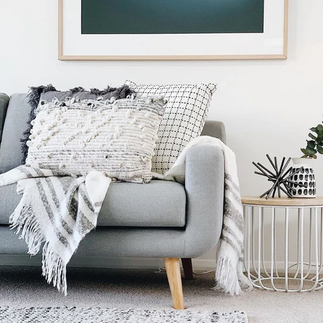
<point>283,201</point>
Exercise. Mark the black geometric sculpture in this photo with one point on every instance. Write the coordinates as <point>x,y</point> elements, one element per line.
<point>281,178</point>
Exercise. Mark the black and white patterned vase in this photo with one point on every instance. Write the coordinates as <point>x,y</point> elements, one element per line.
<point>305,186</point>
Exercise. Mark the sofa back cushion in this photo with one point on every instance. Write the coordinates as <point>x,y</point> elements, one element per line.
<point>4,100</point>
<point>15,124</point>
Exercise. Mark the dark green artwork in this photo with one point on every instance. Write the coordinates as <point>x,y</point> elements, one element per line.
<point>172,16</point>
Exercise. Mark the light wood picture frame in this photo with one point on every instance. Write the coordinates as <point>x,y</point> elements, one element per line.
<point>73,46</point>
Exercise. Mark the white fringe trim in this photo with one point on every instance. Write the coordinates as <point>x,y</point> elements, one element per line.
<point>228,277</point>
<point>28,227</point>
<point>53,266</point>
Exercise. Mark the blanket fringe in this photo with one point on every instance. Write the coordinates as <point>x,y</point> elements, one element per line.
<point>54,269</point>
<point>228,277</point>
<point>28,228</point>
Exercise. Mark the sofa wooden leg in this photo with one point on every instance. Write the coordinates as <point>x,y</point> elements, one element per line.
<point>173,271</point>
<point>188,268</point>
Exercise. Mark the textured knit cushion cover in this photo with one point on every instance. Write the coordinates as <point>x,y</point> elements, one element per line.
<point>81,94</point>
<point>49,92</point>
<point>114,136</point>
<point>184,118</point>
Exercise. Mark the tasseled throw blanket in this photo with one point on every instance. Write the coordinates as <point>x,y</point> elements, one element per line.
<point>230,252</point>
<point>56,211</point>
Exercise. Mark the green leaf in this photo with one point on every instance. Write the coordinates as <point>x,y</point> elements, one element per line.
<point>303,150</point>
<point>312,136</point>
<point>313,129</point>
<point>310,144</point>
<point>310,151</point>
<point>319,128</point>
<point>320,149</point>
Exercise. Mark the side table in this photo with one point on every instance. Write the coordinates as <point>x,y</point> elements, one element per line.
<point>281,227</point>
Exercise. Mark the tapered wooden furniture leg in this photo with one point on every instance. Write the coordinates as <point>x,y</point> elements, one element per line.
<point>188,268</point>
<point>173,271</point>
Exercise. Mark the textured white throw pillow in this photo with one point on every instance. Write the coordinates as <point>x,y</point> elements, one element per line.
<point>184,118</point>
<point>116,137</point>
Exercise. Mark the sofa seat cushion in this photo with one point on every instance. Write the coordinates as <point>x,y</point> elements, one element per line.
<point>157,204</point>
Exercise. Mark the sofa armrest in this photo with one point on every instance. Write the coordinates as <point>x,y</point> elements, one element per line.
<point>4,100</point>
<point>204,185</point>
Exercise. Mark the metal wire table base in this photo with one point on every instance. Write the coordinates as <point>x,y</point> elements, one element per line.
<point>268,232</point>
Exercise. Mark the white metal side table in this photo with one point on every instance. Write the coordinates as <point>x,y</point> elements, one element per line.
<point>289,232</point>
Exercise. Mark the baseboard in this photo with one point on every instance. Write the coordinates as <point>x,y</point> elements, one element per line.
<point>131,263</point>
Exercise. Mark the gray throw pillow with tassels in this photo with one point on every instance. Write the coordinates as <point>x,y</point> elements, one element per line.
<point>48,93</point>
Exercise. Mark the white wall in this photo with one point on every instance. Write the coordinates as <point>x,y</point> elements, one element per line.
<point>267,106</point>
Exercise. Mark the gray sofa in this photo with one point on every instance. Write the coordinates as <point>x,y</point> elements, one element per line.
<point>161,219</point>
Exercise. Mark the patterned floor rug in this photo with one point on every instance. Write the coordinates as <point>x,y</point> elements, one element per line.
<point>103,315</point>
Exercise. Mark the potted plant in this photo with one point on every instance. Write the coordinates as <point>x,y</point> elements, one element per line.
<point>306,179</point>
<point>315,145</point>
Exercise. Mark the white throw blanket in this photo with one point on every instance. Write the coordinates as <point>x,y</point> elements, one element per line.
<point>230,251</point>
<point>56,209</point>
<point>59,209</point>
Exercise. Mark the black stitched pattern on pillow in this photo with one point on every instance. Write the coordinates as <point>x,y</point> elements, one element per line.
<point>185,114</point>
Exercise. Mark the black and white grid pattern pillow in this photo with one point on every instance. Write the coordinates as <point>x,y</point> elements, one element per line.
<point>184,118</point>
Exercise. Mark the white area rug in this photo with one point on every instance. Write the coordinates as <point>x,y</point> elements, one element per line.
<point>111,315</point>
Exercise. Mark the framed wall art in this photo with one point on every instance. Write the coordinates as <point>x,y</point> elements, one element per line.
<point>172,30</point>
